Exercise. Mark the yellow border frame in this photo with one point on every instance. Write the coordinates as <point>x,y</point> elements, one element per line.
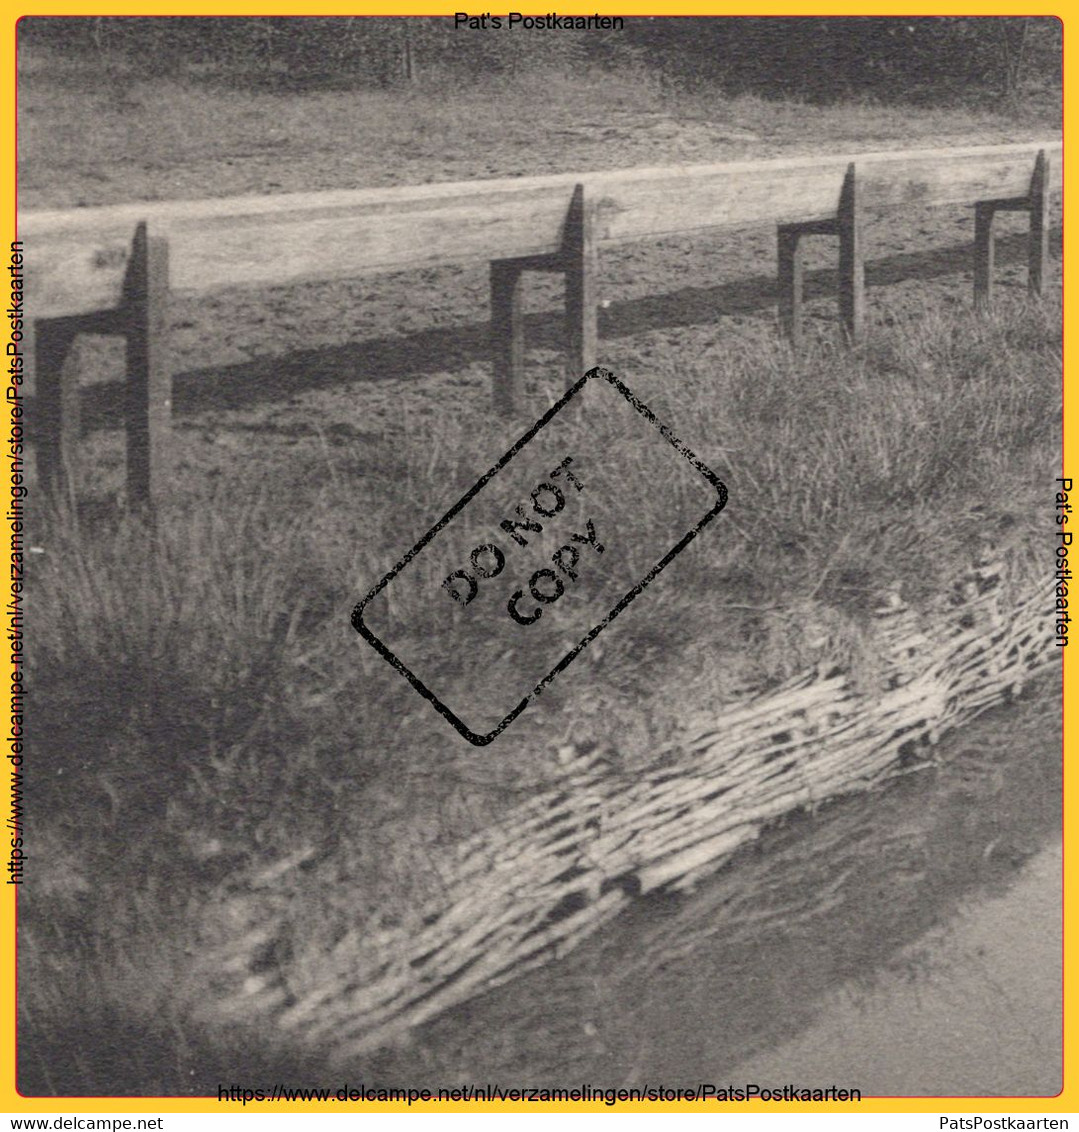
<point>1068,1100</point>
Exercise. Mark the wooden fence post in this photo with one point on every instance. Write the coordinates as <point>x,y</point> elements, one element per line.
<point>57,405</point>
<point>790,283</point>
<point>148,396</point>
<point>576,261</point>
<point>1036,203</point>
<point>141,320</point>
<point>1038,248</point>
<point>851,261</point>
<point>580,266</point>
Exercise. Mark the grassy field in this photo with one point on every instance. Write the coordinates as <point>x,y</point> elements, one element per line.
<point>203,705</point>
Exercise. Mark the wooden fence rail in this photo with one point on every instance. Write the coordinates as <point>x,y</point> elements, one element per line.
<point>87,272</point>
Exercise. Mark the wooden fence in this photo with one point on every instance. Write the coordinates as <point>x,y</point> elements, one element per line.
<point>110,270</point>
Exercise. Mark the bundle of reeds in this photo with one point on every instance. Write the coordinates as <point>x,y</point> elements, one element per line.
<point>531,888</point>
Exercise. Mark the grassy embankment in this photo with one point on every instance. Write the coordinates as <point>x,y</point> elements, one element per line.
<point>204,706</point>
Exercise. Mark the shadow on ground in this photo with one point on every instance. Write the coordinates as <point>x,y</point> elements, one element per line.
<point>269,379</point>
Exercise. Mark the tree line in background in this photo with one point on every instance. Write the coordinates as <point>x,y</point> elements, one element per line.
<point>824,58</point>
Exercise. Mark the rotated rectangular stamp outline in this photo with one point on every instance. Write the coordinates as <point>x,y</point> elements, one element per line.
<point>595,374</point>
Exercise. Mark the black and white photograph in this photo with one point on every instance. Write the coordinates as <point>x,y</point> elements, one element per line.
<point>542,555</point>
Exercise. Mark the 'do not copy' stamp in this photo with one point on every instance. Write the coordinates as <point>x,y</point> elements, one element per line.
<point>539,556</point>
